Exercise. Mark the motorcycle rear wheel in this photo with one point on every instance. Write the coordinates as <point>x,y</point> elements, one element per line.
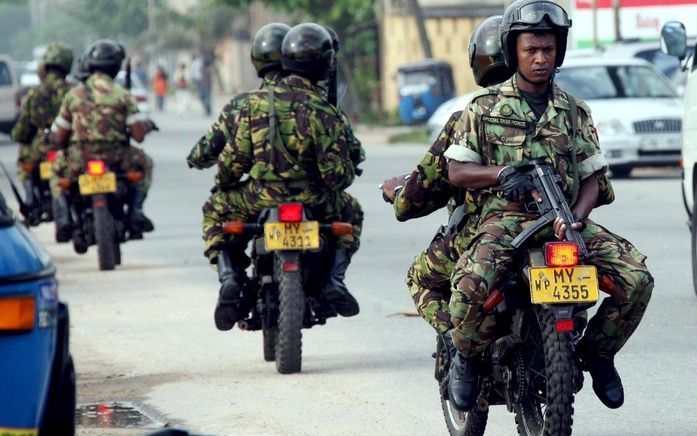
<point>291,309</point>
<point>546,408</point>
<point>106,238</point>
<point>472,423</point>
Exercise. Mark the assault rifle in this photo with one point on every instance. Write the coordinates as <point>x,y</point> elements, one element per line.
<point>553,204</point>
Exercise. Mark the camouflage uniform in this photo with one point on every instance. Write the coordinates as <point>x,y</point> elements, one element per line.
<point>38,111</point>
<point>97,113</point>
<point>315,172</point>
<point>499,128</point>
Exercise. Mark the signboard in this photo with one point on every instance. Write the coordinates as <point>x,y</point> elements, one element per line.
<point>640,19</point>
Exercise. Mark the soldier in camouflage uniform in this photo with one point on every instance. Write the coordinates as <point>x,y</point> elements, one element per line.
<point>95,118</point>
<point>292,145</point>
<point>524,118</point>
<point>37,114</point>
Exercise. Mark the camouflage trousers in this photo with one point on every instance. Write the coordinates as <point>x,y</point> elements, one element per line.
<point>71,162</point>
<point>490,260</point>
<point>428,278</point>
<point>246,202</point>
<point>30,156</point>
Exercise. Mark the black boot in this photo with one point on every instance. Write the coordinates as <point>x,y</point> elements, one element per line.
<point>463,380</point>
<point>231,306</point>
<point>607,384</point>
<point>137,220</point>
<point>61,216</point>
<point>335,290</point>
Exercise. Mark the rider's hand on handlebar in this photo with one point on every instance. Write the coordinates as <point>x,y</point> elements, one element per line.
<point>391,186</point>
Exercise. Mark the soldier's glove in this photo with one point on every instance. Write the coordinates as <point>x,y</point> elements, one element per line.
<point>514,183</point>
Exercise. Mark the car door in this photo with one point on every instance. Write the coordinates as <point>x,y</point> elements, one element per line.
<point>8,92</point>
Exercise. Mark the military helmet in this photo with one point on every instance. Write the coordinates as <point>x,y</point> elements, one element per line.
<point>335,39</point>
<point>485,54</point>
<point>82,72</point>
<point>58,55</point>
<point>266,47</point>
<point>531,16</point>
<point>308,51</point>
<point>105,55</point>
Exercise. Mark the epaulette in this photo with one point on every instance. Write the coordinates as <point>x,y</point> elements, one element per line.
<point>484,91</point>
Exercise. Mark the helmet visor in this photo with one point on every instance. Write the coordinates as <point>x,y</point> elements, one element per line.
<point>534,13</point>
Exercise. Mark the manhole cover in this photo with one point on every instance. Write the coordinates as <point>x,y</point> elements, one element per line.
<point>115,414</point>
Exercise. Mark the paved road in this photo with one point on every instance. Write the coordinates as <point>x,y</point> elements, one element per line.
<point>144,333</point>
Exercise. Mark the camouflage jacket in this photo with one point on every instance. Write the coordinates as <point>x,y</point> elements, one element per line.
<point>98,113</point>
<point>39,110</point>
<point>206,151</point>
<point>499,128</point>
<point>309,147</point>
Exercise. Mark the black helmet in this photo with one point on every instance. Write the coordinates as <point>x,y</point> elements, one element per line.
<point>485,54</point>
<point>307,50</point>
<point>530,16</point>
<point>266,47</point>
<point>82,72</point>
<point>335,39</point>
<point>105,55</point>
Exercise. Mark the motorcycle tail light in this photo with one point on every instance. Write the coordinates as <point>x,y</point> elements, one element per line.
<point>51,155</point>
<point>65,182</point>
<point>134,176</point>
<point>96,167</point>
<point>17,313</point>
<point>290,212</point>
<point>561,253</point>
<point>233,227</point>
<point>340,229</point>
<point>291,267</point>
<point>27,167</point>
<point>564,325</point>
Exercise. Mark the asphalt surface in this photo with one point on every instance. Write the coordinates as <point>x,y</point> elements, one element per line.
<point>144,333</point>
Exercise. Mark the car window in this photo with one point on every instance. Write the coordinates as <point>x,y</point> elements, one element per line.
<point>587,83</point>
<point>5,77</point>
<point>641,82</point>
<point>667,64</point>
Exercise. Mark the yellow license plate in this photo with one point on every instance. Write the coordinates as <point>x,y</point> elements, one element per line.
<point>577,284</point>
<point>91,184</point>
<point>303,235</point>
<point>45,170</point>
<point>5,431</point>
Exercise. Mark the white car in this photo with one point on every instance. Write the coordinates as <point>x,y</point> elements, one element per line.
<point>138,91</point>
<point>441,116</point>
<point>10,97</point>
<point>637,111</point>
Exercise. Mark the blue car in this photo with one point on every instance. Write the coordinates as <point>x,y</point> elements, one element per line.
<point>37,376</point>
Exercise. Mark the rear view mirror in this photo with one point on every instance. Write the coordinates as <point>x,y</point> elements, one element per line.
<point>674,39</point>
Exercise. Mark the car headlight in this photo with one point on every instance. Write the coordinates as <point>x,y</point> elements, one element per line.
<point>610,127</point>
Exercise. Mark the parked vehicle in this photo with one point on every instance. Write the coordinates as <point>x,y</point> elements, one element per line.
<point>437,121</point>
<point>10,94</point>
<point>138,91</point>
<point>422,87</point>
<point>636,110</point>
<point>532,368</point>
<point>291,256</point>
<point>38,376</point>
<point>97,204</point>
<point>651,52</point>
<point>674,42</point>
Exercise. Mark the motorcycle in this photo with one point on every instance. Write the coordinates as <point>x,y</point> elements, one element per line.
<point>291,257</point>
<point>37,194</point>
<point>532,367</point>
<point>97,210</point>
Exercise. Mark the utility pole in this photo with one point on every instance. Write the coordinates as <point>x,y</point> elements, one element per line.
<point>420,25</point>
<point>616,15</point>
<point>595,23</point>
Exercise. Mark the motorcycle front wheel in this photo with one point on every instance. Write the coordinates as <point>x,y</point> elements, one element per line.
<point>291,310</point>
<point>545,407</point>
